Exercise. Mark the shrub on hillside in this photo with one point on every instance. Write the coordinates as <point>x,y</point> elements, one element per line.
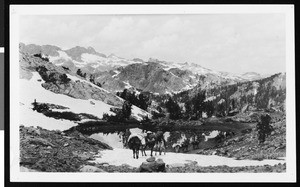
<point>64,78</point>
<point>121,114</point>
<point>40,107</point>
<point>63,115</point>
<point>141,100</point>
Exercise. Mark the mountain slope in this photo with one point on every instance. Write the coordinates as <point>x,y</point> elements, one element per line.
<point>70,98</point>
<point>263,94</point>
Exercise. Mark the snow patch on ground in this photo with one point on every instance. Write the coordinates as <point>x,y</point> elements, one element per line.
<point>28,117</point>
<point>117,73</point>
<point>211,98</point>
<point>127,85</point>
<point>137,112</point>
<point>169,93</point>
<point>187,87</point>
<point>119,156</point>
<point>221,101</point>
<point>173,74</point>
<point>213,134</point>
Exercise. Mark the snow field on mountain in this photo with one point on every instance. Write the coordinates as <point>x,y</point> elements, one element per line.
<point>62,55</point>
<point>32,89</point>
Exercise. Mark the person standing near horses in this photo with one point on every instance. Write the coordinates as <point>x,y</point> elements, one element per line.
<point>150,137</point>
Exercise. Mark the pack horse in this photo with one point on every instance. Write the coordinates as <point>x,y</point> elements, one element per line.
<point>153,141</point>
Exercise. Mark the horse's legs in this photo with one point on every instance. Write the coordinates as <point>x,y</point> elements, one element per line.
<point>159,148</point>
<point>133,153</point>
<point>144,150</point>
<point>151,151</point>
<point>156,148</point>
<point>137,153</point>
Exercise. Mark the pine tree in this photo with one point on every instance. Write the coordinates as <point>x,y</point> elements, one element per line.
<point>143,101</point>
<point>188,109</point>
<point>199,105</point>
<point>126,109</point>
<point>264,128</point>
<point>79,72</point>
<point>173,108</point>
<point>209,108</point>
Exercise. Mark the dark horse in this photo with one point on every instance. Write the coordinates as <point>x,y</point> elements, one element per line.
<point>135,143</point>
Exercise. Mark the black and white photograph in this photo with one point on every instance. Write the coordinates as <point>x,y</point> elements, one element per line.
<point>118,93</point>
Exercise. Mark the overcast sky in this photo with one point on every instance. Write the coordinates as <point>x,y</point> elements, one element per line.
<point>234,43</point>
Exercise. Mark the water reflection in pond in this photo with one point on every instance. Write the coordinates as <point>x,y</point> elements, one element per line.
<point>177,141</point>
<point>116,139</point>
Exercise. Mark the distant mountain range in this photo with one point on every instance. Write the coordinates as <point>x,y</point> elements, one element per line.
<point>115,73</point>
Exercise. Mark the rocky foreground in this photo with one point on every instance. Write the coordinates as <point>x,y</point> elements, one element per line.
<point>55,151</point>
<point>42,150</point>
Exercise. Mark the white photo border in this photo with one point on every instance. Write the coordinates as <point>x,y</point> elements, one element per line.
<point>18,10</point>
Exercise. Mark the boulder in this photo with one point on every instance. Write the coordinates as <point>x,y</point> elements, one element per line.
<point>83,156</point>
<point>66,144</point>
<point>89,168</point>
<point>33,131</point>
<point>155,166</point>
<point>151,159</point>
